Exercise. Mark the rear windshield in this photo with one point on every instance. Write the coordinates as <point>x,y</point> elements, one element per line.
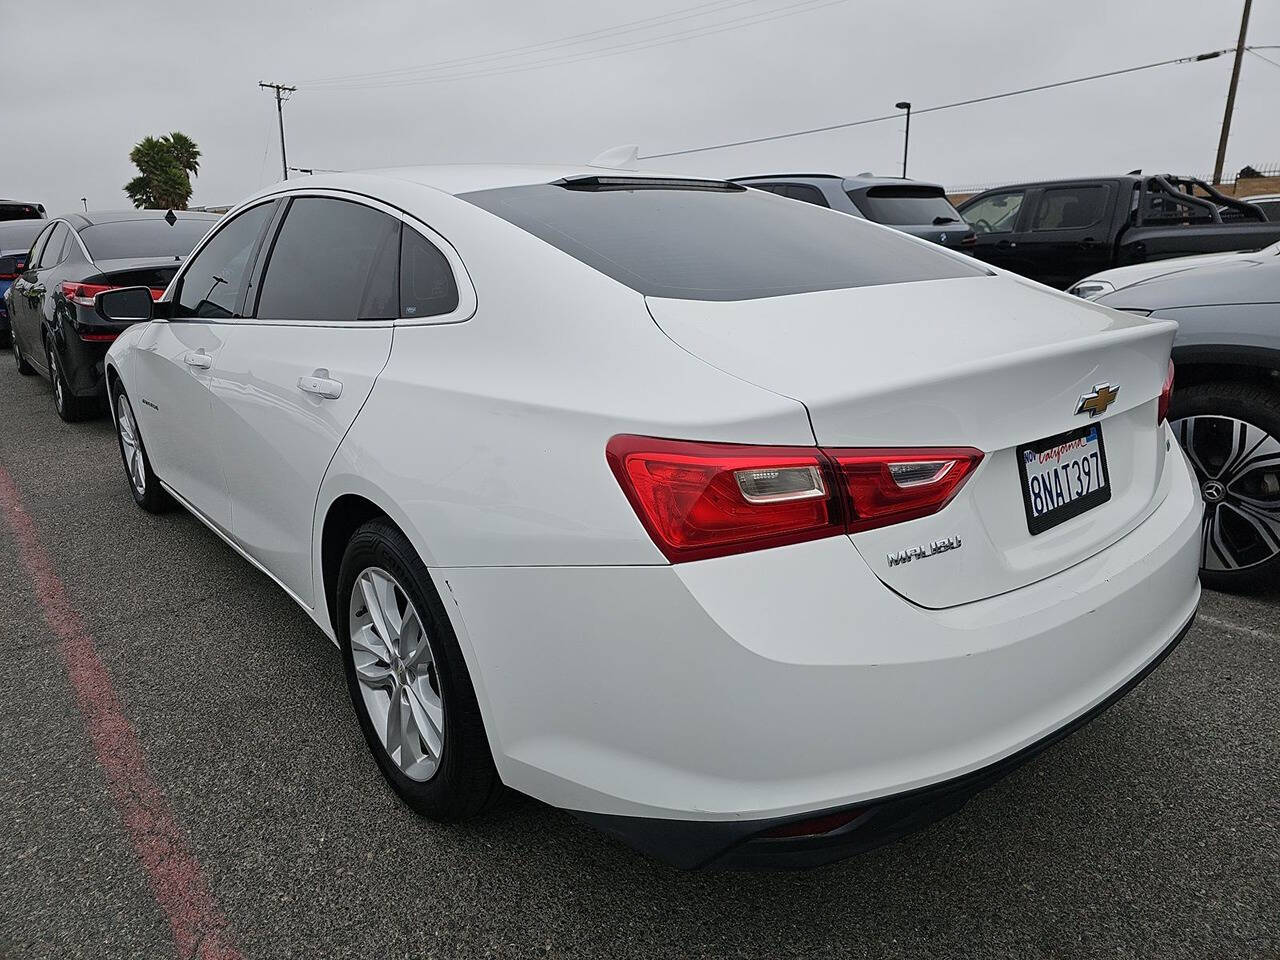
<point>914,206</point>
<point>132,239</point>
<point>716,244</point>
<point>20,211</point>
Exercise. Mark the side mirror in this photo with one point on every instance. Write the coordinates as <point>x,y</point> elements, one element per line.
<point>9,267</point>
<point>126,305</point>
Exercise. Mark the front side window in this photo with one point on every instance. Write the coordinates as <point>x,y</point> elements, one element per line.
<point>997,213</point>
<point>1067,208</point>
<point>332,260</point>
<point>713,241</point>
<point>37,248</point>
<point>215,280</point>
<point>52,253</point>
<point>906,205</point>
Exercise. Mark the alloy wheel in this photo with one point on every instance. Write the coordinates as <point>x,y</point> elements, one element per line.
<point>1238,466</point>
<point>397,673</point>
<point>130,445</point>
<point>56,377</point>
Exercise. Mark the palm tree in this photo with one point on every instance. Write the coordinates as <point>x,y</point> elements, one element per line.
<point>165,167</point>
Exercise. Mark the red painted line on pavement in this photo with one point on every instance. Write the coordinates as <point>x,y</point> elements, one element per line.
<point>179,886</point>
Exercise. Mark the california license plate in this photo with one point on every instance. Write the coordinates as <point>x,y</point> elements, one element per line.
<point>1063,476</point>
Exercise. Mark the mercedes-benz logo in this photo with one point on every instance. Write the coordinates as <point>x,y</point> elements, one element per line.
<point>1213,491</point>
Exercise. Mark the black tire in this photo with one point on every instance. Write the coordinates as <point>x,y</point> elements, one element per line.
<point>465,783</point>
<point>71,408</point>
<point>19,360</point>
<point>152,497</point>
<point>1224,428</point>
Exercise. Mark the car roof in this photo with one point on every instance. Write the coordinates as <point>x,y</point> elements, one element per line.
<point>459,178</point>
<point>94,217</point>
<point>1061,181</point>
<point>856,182</point>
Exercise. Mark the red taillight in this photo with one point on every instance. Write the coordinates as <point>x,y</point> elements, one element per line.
<point>1166,392</point>
<point>98,337</point>
<point>701,500</point>
<point>706,499</point>
<point>890,486</point>
<point>83,293</point>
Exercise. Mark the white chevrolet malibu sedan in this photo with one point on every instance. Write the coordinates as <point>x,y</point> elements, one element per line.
<point>750,532</point>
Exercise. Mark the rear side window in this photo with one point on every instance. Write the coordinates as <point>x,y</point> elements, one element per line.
<point>215,278</point>
<point>714,244</point>
<point>1067,208</point>
<point>332,260</point>
<point>906,205</point>
<point>427,287</point>
<point>138,239</point>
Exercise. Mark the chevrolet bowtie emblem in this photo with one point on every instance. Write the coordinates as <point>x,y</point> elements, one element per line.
<point>1096,401</point>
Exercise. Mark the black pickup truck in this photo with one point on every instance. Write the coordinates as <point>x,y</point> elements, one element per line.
<point>1060,231</point>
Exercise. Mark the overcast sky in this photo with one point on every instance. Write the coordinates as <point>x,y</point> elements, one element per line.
<point>96,77</point>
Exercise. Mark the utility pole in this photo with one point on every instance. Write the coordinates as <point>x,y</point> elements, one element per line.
<point>283,93</point>
<point>1231,95</point>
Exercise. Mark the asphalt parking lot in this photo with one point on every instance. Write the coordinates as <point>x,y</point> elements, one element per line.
<point>1153,832</point>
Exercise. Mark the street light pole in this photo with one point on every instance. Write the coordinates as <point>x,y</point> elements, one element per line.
<point>906,136</point>
<point>1231,96</point>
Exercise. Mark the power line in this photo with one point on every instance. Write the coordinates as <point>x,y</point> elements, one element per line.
<point>805,6</point>
<point>942,106</point>
<point>1254,51</point>
<point>646,23</point>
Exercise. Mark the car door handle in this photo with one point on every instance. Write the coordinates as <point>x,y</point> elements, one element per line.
<point>1005,243</point>
<point>321,385</point>
<point>201,361</point>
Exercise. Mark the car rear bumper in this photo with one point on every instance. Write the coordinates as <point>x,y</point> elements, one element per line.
<point>687,708</point>
<point>746,844</point>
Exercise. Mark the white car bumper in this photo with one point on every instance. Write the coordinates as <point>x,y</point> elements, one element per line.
<point>787,681</point>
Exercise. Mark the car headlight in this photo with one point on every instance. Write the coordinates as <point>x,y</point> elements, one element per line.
<point>1092,289</point>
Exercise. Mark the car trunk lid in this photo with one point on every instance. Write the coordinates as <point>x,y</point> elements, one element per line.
<point>987,362</point>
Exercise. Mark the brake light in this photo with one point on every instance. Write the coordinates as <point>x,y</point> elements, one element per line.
<point>1166,392</point>
<point>890,486</point>
<point>699,500</point>
<point>83,293</point>
<point>14,276</point>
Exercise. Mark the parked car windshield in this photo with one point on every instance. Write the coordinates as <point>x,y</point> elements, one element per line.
<point>130,239</point>
<point>905,205</point>
<point>715,244</point>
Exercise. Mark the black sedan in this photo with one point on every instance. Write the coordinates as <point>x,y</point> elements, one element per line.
<point>55,331</point>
